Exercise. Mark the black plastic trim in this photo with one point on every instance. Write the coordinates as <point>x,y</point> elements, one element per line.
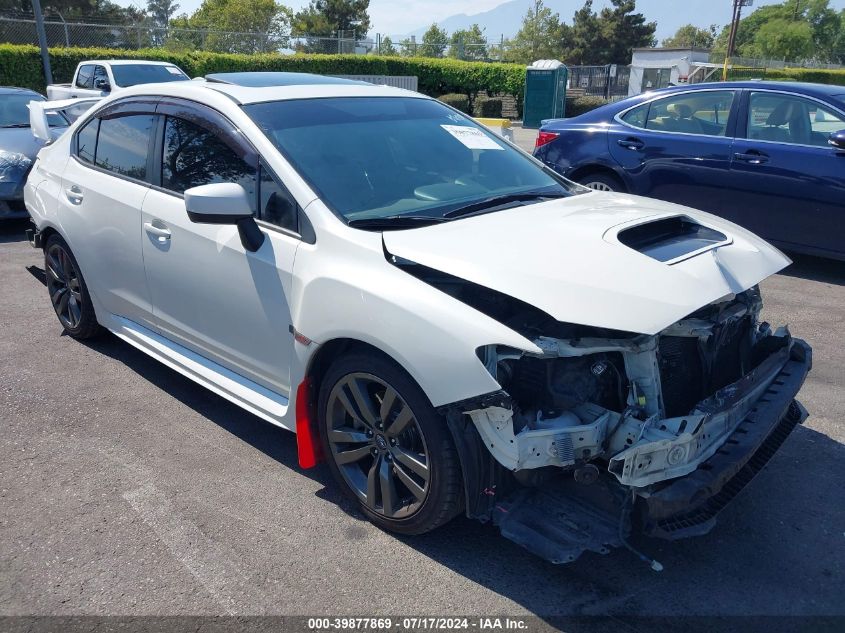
<point>688,506</point>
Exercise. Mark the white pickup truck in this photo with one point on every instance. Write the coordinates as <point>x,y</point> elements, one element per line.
<point>98,78</point>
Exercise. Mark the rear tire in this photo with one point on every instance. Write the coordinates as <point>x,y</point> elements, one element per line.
<point>386,446</point>
<point>598,181</point>
<point>68,292</point>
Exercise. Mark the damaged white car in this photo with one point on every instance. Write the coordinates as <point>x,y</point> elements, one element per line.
<point>446,322</point>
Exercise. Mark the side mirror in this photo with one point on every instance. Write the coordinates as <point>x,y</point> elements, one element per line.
<point>102,84</point>
<point>224,203</point>
<point>837,139</point>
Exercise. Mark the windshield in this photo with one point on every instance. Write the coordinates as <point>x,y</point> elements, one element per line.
<point>840,99</point>
<point>372,158</point>
<point>14,113</point>
<point>133,74</point>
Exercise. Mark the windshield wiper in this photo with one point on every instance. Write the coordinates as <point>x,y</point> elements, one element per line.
<point>15,125</point>
<point>497,201</point>
<point>395,222</point>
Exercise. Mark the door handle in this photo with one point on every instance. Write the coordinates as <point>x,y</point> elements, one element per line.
<point>160,233</point>
<point>634,144</point>
<point>752,158</point>
<point>74,194</point>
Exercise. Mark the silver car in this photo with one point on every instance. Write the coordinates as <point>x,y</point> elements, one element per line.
<point>18,146</point>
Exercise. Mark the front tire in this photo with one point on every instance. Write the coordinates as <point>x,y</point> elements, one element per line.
<point>386,446</point>
<point>68,292</point>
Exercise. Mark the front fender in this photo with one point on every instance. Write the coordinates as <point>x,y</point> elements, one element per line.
<point>354,293</point>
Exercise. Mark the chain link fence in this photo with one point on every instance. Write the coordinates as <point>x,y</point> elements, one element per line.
<point>92,35</point>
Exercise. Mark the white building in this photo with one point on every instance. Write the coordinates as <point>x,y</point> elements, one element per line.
<point>653,68</point>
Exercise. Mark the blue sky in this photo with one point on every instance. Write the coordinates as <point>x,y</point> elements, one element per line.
<point>395,17</point>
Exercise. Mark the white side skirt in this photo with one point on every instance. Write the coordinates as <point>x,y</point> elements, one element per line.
<point>249,395</point>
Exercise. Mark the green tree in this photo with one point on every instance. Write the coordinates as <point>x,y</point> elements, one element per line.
<point>538,38</point>
<point>468,44</point>
<point>434,42</point>
<point>690,35</point>
<point>220,25</point>
<point>387,48</point>
<point>328,17</point>
<point>622,30</point>
<point>160,11</point>
<point>584,41</point>
<point>784,39</point>
<point>826,29</point>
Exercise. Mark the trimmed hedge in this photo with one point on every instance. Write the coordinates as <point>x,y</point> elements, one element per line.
<point>582,104</point>
<point>489,107</point>
<point>20,65</point>
<point>809,75</point>
<point>457,101</point>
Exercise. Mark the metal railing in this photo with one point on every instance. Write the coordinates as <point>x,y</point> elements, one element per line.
<point>610,81</point>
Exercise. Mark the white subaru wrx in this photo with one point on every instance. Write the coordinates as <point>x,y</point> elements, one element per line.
<point>445,321</point>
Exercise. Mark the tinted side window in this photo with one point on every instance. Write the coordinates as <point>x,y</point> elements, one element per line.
<point>86,140</point>
<point>85,77</point>
<point>193,156</point>
<point>790,119</point>
<point>276,206</point>
<point>123,145</point>
<point>700,112</point>
<point>637,116</point>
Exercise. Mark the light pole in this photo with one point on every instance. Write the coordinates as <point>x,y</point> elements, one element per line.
<point>42,40</point>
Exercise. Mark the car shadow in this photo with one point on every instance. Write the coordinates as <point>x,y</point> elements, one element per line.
<point>784,524</point>
<point>813,268</point>
<point>14,230</point>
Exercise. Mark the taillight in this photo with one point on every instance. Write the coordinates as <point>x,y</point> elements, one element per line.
<point>544,138</point>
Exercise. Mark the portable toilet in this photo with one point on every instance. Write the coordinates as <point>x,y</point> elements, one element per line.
<point>545,92</point>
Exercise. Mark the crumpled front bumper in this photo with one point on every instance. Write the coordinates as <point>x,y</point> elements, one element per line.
<point>688,506</point>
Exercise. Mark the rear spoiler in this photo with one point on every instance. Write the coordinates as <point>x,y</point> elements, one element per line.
<point>72,109</point>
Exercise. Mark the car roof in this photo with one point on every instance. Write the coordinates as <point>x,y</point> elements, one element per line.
<point>199,91</point>
<point>125,62</point>
<point>267,79</point>
<point>817,90</point>
<point>10,90</point>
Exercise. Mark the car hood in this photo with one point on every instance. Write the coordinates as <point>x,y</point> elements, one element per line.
<point>20,141</point>
<point>564,257</point>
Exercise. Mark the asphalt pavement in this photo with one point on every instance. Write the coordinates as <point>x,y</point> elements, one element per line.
<point>127,489</point>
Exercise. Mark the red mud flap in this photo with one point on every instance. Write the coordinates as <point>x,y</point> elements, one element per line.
<point>307,436</point>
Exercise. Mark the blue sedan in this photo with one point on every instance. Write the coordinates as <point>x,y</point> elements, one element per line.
<point>769,156</point>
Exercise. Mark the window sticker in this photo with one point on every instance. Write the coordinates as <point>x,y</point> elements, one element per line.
<point>173,71</point>
<point>471,137</point>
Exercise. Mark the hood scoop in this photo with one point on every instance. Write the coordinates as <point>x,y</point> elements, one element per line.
<point>672,239</point>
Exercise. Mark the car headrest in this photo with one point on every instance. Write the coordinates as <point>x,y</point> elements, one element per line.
<point>780,115</point>
<point>681,110</point>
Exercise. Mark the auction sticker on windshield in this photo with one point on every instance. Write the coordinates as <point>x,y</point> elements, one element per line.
<point>471,137</point>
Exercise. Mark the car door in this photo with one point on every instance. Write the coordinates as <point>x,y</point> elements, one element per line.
<point>210,294</point>
<point>678,148</point>
<point>84,84</point>
<point>103,188</point>
<point>788,183</point>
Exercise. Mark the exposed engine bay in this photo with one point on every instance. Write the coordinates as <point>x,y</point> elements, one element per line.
<point>604,429</point>
<point>646,406</point>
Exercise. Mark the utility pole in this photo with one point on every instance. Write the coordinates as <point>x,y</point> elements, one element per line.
<point>737,16</point>
<point>42,40</point>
